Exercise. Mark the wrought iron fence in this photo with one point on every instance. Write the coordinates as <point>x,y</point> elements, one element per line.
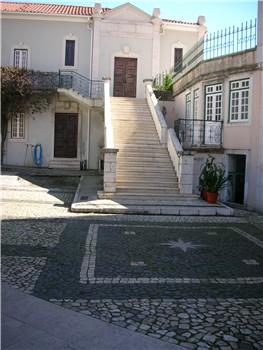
<point>83,85</point>
<point>44,80</point>
<point>223,42</point>
<point>198,132</point>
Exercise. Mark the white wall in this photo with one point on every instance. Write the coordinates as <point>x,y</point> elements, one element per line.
<point>139,48</point>
<point>96,138</point>
<point>44,40</point>
<point>39,128</point>
<point>175,38</point>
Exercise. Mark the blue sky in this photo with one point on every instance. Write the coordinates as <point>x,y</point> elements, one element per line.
<point>219,13</point>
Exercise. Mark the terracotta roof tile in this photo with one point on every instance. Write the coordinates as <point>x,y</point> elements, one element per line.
<point>48,8</point>
<point>27,7</point>
<point>179,22</point>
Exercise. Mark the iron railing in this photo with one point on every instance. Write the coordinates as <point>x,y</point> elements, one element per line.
<point>44,80</point>
<point>223,42</point>
<point>199,132</point>
<point>81,84</point>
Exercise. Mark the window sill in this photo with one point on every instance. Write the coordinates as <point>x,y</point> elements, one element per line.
<point>17,140</point>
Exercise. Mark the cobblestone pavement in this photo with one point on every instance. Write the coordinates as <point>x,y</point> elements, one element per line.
<point>197,282</point>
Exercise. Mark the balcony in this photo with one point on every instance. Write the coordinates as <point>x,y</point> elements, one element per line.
<point>44,80</point>
<point>81,84</point>
<point>199,133</point>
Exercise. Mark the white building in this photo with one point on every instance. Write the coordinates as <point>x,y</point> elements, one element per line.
<point>124,44</point>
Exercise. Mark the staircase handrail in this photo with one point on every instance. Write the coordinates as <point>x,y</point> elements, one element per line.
<point>157,115</point>
<point>86,87</point>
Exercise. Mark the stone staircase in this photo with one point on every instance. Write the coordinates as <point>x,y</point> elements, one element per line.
<point>144,168</point>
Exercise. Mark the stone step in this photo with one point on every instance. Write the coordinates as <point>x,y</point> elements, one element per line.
<point>149,181</point>
<point>149,143</point>
<point>147,187</point>
<point>169,174</point>
<point>144,164</point>
<point>64,164</point>
<point>139,159</point>
<point>124,193</point>
<point>143,154</point>
<point>124,135</point>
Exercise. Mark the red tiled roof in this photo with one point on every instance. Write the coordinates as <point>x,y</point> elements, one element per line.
<point>180,22</point>
<point>55,9</point>
<point>26,7</point>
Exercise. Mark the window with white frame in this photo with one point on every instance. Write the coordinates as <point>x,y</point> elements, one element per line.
<point>239,99</point>
<point>18,126</point>
<point>70,52</point>
<point>21,58</point>
<point>195,105</point>
<point>188,106</point>
<point>213,102</point>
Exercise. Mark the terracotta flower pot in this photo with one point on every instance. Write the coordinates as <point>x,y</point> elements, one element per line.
<point>204,195</point>
<point>211,197</point>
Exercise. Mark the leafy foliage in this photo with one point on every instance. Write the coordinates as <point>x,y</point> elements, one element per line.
<point>167,84</point>
<point>213,176</point>
<point>18,96</point>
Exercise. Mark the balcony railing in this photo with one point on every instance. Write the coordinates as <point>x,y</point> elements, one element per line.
<point>198,132</point>
<point>81,84</point>
<point>223,42</point>
<point>44,80</point>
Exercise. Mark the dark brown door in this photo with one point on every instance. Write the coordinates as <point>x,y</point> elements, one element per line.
<point>66,135</point>
<point>125,77</point>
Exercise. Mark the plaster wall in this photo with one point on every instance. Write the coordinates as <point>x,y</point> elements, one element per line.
<point>171,39</point>
<point>115,45</point>
<point>45,42</point>
<point>39,128</point>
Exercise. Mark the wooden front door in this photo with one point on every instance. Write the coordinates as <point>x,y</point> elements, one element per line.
<point>66,135</point>
<point>125,77</point>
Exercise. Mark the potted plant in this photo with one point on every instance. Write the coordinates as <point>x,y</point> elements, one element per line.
<point>205,176</point>
<point>212,179</point>
<point>165,90</point>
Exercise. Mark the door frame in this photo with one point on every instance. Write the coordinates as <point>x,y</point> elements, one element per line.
<point>233,152</point>
<point>124,55</point>
<point>52,148</point>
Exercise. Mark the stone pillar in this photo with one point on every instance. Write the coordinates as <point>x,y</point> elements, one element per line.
<point>186,174</point>
<point>147,82</point>
<point>96,42</point>
<point>110,163</point>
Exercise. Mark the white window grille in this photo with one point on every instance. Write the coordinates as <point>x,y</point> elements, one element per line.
<point>213,102</point>
<point>18,126</point>
<point>21,58</point>
<point>239,100</point>
<point>188,106</point>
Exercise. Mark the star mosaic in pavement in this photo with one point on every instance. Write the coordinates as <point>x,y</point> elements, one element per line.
<point>184,246</point>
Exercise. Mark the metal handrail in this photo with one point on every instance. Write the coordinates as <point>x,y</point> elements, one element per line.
<point>84,86</point>
<point>198,132</point>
